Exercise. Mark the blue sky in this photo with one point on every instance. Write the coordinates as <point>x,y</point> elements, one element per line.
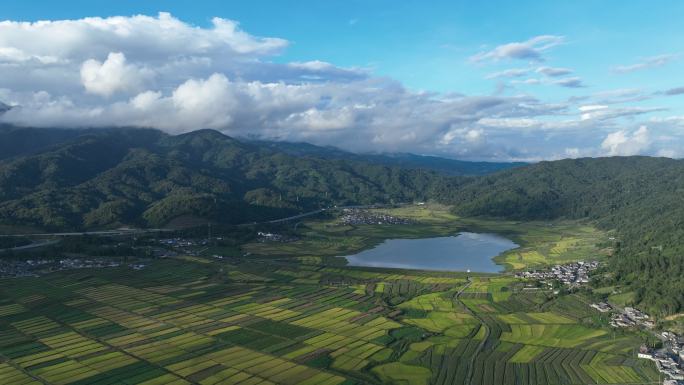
<point>614,57</point>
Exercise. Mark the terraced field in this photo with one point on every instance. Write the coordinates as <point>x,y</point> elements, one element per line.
<point>208,322</point>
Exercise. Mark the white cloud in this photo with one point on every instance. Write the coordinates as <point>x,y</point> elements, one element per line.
<point>531,49</point>
<point>623,143</point>
<point>15,55</point>
<point>669,153</point>
<point>206,103</point>
<point>164,73</point>
<point>573,152</point>
<point>146,100</point>
<point>51,54</point>
<point>463,135</point>
<point>645,63</point>
<point>112,75</point>
<point>606,113</point>
<point>150,37</point>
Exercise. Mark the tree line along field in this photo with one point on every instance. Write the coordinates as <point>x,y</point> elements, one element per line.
<point>300,321</point>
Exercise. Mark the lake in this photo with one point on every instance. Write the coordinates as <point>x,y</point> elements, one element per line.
<point>465,251</point>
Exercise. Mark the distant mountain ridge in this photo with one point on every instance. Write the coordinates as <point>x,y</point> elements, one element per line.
<point>17,141</point>
<point>442,165</point>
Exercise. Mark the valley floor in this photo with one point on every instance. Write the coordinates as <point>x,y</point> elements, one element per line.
<point>284,316</point>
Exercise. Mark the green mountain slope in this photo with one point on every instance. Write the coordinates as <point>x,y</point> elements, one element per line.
<point>147,178</point>
<point>641,197</point>
<point>15,141</point>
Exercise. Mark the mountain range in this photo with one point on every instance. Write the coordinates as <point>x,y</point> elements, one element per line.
<point>82,179</point>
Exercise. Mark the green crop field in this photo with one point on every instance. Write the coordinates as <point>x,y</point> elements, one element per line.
<point>181,323</point>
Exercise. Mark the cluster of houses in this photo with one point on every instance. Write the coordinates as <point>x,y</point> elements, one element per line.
<point>36,267</point>
<point>177,243</point>
<point>365,217</point>
<point>603,307</point>
<point>572,274</point>
<point>182,246</point>
<point>631,317</point>
<point>669,360</point>
<point>273,237</point>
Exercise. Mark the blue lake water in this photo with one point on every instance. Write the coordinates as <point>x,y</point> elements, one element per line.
<point>465,251</point>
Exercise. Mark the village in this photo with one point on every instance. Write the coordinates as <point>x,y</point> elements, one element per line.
<point>669,359</point>
<point>274,237</point>
<point>572,274</point>
<point>365,217</point>
<point>37,267</point>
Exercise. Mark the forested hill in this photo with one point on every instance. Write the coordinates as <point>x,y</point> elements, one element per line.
<point>16,141</point>
<point>641,197</point>
<point>108,178</point>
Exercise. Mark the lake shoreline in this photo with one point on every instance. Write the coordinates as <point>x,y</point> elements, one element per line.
<point>465,251</point>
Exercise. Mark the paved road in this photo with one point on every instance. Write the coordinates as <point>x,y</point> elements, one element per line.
<point>310,213</point>
<point>32,245</point>
<point>104,232</point>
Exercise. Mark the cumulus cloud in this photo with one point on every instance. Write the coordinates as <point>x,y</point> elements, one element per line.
<point>112,75</point>
<point>645,63</point>
<point>624,143</point>
<point>151,37</point>
<point>531,49</point>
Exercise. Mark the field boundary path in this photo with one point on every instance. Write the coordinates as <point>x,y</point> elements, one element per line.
<point>480,346</point>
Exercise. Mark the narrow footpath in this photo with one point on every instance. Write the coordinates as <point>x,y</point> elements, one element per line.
<point>480,346</point>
